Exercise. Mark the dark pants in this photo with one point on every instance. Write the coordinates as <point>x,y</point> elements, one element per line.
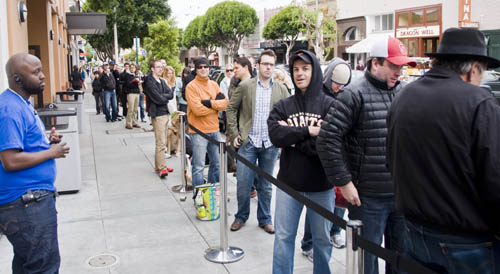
<point>123,99</point>
<point>307,241</point>
<point>380,219</point>
<point>99,102</point>
<point>445,253</point>
<point>32,231</point>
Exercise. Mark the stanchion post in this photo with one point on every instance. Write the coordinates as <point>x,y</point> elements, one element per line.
<point>355,255</point>
<point>182,187</point>
<point>223,253</point>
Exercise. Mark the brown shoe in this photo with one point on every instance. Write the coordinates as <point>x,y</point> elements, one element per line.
<point>136,126</point>
<point>237,225</point>
<point>253,193</point>
<point>128,127</point>
<point>268,228</point>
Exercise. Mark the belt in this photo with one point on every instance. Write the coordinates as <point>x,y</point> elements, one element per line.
<point>37,195</point>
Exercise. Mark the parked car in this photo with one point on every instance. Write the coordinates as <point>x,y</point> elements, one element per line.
<point>491,81</point>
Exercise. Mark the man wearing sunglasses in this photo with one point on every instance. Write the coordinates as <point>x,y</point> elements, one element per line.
<point>204,99</point>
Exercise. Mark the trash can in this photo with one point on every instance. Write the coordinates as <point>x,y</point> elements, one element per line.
<point>72,99</point>
<point>68,179</point>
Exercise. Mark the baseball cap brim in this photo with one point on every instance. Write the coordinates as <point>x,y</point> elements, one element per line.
<point>301,56</point>
<point>401,60</point>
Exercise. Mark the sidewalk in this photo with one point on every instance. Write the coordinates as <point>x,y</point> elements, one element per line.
<point>123,208</point>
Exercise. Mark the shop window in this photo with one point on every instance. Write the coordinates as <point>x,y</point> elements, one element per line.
<point>417,17</point>
<point>431,44</point>
<point>352,34</point>
<point>432,15</point>
<point>403,20</point>
<point>384,22</point>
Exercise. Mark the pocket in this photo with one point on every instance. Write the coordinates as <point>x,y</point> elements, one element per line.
<point>9,223</point>
<point>470,258</point>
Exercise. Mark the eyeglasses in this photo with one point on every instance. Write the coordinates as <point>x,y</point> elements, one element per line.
<point>202,67</point>
<point>229,70</point>
<point>267,64</point>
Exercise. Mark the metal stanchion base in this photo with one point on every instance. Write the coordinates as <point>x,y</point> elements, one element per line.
<point>230,255</point>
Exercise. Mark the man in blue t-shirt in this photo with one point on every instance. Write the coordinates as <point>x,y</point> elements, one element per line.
<point>28,215</point>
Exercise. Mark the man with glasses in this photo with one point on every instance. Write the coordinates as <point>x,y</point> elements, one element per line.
<point>252,100</point>
<point>205,99</point>
<point>226,82</point>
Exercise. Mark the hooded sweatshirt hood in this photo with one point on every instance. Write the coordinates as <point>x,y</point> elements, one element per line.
<point>315,85</point>
<point>327,76</point>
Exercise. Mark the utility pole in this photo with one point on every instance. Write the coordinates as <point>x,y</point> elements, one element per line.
<point>116,37</point>
<point>137,50</point>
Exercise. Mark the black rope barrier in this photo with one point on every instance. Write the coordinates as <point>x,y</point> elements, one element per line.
<point>395,259</point>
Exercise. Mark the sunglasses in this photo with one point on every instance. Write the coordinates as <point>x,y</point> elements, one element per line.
<point>229,70</point>
<point>202,67</point>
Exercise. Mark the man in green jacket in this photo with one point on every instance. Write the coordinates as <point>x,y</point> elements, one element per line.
<point>247,115</point>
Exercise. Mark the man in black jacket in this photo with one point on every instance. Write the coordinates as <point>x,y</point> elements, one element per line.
<point>97,91</point>
<point>293,125</point>
<point>108,85</point>
<point>443,150</point>
<point>158,93</point>
<point>351,146</point>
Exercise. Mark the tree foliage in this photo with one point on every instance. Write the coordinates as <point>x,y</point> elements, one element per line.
<point>228,23</point>
<point>132,16</point>
<point>161,43</point>
<point>285,26</point>
<point>195,36</point>
<point>323,33</point>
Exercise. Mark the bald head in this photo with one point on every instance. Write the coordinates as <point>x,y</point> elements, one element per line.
<point>25,75</point>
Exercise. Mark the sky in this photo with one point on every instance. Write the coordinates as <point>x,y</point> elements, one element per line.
<point>186,10</point>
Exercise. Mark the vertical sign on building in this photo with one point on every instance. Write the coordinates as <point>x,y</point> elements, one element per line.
<point>464,7</point>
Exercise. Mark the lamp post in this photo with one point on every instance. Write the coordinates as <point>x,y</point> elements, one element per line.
<point>115,31</point>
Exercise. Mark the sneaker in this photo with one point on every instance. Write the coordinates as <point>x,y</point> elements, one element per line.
<point>163,173</point>
<point>309,254</point>
<point>170,169</point>
<point>167,155</point>
<point>338,241</point>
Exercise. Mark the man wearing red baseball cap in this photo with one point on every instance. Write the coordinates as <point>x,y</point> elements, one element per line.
<point>351,146</point>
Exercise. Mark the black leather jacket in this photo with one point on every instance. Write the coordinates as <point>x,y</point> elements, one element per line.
<point>157,95</point>
<point>352,140</point>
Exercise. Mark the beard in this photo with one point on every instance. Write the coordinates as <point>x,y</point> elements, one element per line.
<point>32,89</point>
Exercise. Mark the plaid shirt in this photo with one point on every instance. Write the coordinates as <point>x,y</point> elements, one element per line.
<point>259,135</point>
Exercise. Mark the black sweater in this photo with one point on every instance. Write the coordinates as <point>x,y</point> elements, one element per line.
<point>300,166</point>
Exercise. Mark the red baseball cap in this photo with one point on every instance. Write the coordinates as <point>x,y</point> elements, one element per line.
<point>393,50</point>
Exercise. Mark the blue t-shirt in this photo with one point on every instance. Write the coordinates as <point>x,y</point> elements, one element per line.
<point>21,128</point>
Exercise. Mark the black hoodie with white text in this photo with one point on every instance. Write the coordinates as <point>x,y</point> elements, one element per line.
<point>300,166</point>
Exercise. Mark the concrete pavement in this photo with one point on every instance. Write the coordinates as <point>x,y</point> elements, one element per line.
<point>124,209</point>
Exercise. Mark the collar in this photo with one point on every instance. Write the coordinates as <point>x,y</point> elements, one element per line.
<point>377,82</point>
<point>260,83</point>
<point>442,73</point>
<point>198,78</point>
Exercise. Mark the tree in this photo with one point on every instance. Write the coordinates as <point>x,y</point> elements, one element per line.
<point>132,16</point>
<point>162,44</point>
<point>285,26</point>
<point>228,23</point>
<point>194,36</point>
<point>325,31</point>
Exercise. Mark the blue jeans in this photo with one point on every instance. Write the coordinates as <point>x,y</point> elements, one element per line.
<point>200,147</point>
<point>32,231</point>
<point>380,218</point>
<point>110,98</point>
<point>245,176</point>
<point>306,243</point>
<point>141,105</point>
<point>446,253</point>
<point>287,215</point>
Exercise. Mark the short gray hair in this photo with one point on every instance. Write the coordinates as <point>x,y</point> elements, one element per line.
<point>460,66</point>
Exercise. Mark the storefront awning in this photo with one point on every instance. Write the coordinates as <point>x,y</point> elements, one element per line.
<point>365,45</point>
<point>80,23</point>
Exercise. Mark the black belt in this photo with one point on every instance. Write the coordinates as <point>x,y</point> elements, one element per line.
<point>36,196</point>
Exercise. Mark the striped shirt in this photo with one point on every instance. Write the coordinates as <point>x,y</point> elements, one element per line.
<point>259,135</point>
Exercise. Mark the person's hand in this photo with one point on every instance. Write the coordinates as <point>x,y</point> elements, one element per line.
<point>207,103</point>
<point>314,131</point>
<point>350,194</point>
<point>282,123</point>
<point>55,137</point>
<point>237,141</point>
<point>220,96</point>
<point>59,150</point>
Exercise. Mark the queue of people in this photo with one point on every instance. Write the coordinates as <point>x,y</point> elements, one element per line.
<point>417,163</point>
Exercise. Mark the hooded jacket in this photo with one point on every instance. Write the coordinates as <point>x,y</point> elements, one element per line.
<point>300,166</point>
<point>327,76</point>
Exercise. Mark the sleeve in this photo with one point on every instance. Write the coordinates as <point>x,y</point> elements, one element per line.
<point>193,99</point>
<point>232,112</point>
<point>219,104</point>
<point>341,117</point>
<point>12,129</point>
<point>284,136</point>
<point>153,93</point>
<point>486,158</point>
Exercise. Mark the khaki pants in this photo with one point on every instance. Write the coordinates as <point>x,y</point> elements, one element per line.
<point>133,102</point>
<point>160,125</point>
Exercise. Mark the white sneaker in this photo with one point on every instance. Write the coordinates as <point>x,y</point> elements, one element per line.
<point>338,241</point>
<point>309,254</point>
<point>167,155</point>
